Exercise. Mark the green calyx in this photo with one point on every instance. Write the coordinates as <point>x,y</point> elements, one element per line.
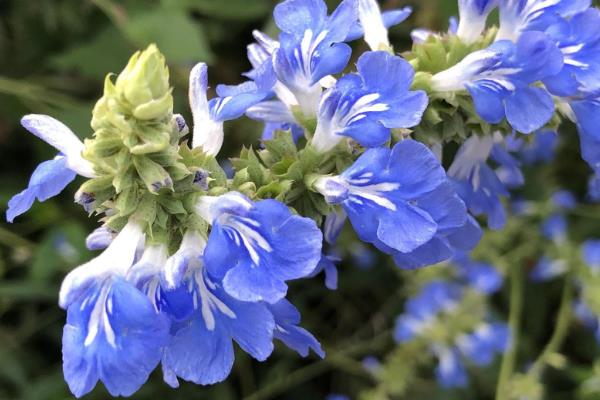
<point>142,168</point>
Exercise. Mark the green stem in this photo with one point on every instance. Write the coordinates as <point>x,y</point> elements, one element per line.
<point>514,320</point>
<point>312,370</point>
<point>560,330</point>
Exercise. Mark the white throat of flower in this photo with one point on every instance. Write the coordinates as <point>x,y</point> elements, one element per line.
<point>474,151</point>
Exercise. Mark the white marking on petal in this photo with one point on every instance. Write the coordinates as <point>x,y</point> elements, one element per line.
<point>210,302</point>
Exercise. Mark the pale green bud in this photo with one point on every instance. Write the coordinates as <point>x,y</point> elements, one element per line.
<point>144,84</point>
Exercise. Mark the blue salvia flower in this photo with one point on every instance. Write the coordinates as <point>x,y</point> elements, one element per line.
<point>373,24</point>
<point>421,311</point>
<point>206,321</point>
<point>328,265</point>
<point>113,332</point>
<point>232,103</point>
<point>311,47</point>
<point>519,16</point>
<point>594,187</point>
<point>579,41</point>
<point>400,200</point>
<point>52,176</point>
<point>450,371</point>
<point>473,16</point>
<point>480,276</point>
<point>564,200</point>
<point>253,247</point>
<point>587,316</point>
<point>477,183</point>
<point>366,105</point>
<point>547,269</point>
<point>499,80</point>
<point>555,228</point>
<point>541,148</point>
<point>484,343</point>
<point>591,254</point>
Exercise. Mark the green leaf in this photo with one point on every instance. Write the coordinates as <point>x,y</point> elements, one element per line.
<point>106,52</point>
<point>175,33</point>
<point>228,10</point>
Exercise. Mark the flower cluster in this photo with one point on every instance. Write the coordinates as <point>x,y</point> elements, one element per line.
<point>409,149</point>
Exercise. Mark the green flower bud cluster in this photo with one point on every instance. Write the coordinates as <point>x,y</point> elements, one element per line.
<point>141,166</point>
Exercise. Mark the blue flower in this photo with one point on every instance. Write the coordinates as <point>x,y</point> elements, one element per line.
<point>481,276</point>
<point>450,371</point>
<point>421,311</point>
<point>555,228</point>
<point>327,264</point>
<point>232,103</point>
<point>476,182</point>
<point>253,247</point>
<point>564,200</point>
<point>113,332</point>
<point>518,16</point>
<point>587,114</point>
<point>473,17</point>
<point>594,187</point>
<point>401,201</point>
<point>484,343</point>
<point>52,176</point>
<point>372,24</point>
<point>365,106</point>
<point>591,254</point>
<point>547,269</point>
<point>588,317</point>
<point>499,80</point>
<point>579,41</point>
<point>541,148</point>
<point>206,320</point>
<point>287,330</point>
<point>311,47</point>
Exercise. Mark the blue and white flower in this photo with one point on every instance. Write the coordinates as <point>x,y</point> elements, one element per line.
<point>481,276</point>
<point>253,246</point>
<point>591,254</point>
<point>422,310</point>
<point>450,371</point>
<point>499,80</point>
<point>311,47</point>
<point>113,332</point>
<point>547,269</point>
<point>206,321</point>
<point>232,103</point>
<point>579,41</point>
<point>473,18</point>
<point>365,106</point>
<point>478,184</point>
<point>52,176</point>
<point>400,200</point>
<point>485,342</point>
<point>519,16</point>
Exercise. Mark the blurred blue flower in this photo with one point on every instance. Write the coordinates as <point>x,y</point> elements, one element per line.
<point>547,269</point>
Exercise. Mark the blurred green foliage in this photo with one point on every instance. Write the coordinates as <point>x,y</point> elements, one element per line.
<point>54,55</point>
